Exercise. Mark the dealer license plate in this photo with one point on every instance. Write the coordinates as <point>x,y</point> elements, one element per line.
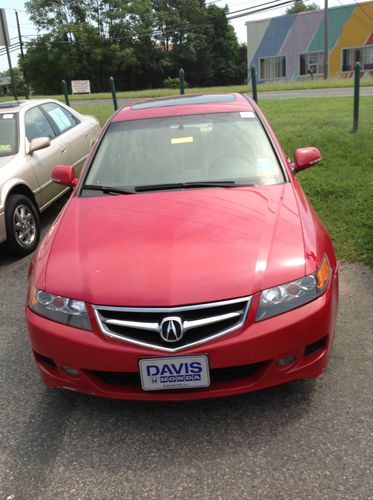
<point>174,372</point>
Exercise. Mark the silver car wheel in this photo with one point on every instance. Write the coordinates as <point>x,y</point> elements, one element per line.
<point>24,225</point>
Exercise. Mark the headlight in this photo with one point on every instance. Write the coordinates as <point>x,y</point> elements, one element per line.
<point>282,298</point>
<point>61,309</point>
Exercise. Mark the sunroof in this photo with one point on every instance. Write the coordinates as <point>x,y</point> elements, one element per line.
<point>185,100</point>
<point>10,104</point>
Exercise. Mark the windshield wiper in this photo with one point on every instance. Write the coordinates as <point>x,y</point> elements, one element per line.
<point>186,185</point>
<point>109,189</point>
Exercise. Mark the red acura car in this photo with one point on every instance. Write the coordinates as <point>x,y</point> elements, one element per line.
<point>188,262</point>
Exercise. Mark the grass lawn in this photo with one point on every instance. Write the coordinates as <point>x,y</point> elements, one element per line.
<point>265,87</point>
<point>341,187</point>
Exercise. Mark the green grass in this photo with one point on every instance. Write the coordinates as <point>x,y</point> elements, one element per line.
<point>341,187</point>
<point>101,111</point>
<point>265,87</point>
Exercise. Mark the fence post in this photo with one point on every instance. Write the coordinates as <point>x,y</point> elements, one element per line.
<point>253,83</point>
<point>182,84</point>
<point>113,93</point>
<point>356,96</point>
<point>64,90</point>
<point>27,91</point>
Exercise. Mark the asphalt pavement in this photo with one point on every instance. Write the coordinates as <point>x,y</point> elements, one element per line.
<point>304,440</point>
<point>285,94</point>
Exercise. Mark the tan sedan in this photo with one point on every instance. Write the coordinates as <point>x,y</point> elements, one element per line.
<point>34,137</point>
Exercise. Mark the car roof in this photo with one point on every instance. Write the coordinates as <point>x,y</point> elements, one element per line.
<point>185,105</point>
<point>14,106</point>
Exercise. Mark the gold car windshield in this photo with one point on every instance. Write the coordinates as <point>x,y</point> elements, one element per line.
<point>8,134</point>
<point>186,149</point>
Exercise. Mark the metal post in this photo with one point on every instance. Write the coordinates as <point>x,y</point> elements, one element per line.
<point>326,48</point>
<point>253,83</point>
<point>5,32</point>
<point>356,96</point>
<point>182,82</point>
<point>64,90</point>
<point>27,91</point>
<point>21,48</point>
<point>113,93</point>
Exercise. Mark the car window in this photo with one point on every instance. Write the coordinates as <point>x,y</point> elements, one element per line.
<point>8,134</point>
<point>210,147</point>
<point>37,125</point>
<point>62,118</point>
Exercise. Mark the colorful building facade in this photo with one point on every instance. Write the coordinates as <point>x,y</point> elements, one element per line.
<point>291,47</point>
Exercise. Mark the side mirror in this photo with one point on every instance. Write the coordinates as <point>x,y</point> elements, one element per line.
<point>306,157</point>
<point>64,175</point>
<point>38,143</point>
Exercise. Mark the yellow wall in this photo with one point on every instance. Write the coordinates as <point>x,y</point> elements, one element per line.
<point>354,34</point>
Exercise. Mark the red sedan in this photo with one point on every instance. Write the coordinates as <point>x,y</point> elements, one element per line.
<point>188,262</point>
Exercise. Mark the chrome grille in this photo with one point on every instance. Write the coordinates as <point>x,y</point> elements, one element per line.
<point>199,323</point>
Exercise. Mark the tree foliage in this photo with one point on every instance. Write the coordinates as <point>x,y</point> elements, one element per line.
<point>300,6</point>
<point>138,42</point>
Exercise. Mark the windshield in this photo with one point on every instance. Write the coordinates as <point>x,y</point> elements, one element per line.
<point>8,134</point>
<point>185,149</point>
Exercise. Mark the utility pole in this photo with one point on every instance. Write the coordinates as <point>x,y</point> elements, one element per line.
<point>21,47</point>
<point>4,32</point>
<point>326,48</point>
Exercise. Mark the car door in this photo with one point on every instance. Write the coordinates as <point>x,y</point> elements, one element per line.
<point>75,133</point>
<point>43,160</point>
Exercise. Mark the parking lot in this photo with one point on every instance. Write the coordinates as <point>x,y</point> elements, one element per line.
<point>305,440</point>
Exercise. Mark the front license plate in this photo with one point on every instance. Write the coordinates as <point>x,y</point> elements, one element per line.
<point>175,372</point>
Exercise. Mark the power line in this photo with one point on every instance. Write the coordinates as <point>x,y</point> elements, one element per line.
<point>273,4</point>
<point>365,12</point>
<point>355,14</point>
<point>282,4</point>
<point>258,8</point>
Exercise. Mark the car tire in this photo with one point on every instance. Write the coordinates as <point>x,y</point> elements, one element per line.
<point>22,224</point>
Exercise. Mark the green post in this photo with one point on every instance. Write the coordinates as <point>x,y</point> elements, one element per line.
<point>113,93</point>
<point>64,90</point>
<point>27,91</point>
<point>356,96</point>
<point>182,83</point>
<point>253,83</point>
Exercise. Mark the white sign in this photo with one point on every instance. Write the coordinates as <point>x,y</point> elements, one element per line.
<point>80,86</point>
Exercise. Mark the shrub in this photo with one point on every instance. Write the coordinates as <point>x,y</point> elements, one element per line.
<point>173,83</point>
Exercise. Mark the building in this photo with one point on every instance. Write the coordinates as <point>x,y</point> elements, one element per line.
<point>291,47</point>
<point>5,85</point>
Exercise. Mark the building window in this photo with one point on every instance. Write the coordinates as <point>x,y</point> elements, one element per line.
<point>311,63</point>
<point>363,55</point>
<point>272,68</point>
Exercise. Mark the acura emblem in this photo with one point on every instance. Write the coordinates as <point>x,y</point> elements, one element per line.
<point>171,329</point>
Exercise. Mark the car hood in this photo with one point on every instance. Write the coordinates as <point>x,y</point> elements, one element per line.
<point>174,248</point>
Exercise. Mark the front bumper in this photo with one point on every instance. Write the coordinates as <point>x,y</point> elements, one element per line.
<point>242,361</point>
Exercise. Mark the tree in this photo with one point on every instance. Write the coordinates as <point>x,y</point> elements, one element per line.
<point>300,6</point>
<point>138,42</point>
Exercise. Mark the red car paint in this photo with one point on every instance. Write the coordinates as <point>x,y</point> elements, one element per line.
<point>175,248</point>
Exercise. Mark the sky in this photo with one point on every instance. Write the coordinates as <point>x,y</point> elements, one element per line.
<point>28,30</point>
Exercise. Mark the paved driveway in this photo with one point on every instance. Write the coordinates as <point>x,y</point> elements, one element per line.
<point>305,440</point>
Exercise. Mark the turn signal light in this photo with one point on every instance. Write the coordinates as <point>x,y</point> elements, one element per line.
<point>323,274</point>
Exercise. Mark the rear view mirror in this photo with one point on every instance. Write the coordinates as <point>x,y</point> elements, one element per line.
<point>306,157</point>
<point>39,143</point>
<point>64,175</point>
